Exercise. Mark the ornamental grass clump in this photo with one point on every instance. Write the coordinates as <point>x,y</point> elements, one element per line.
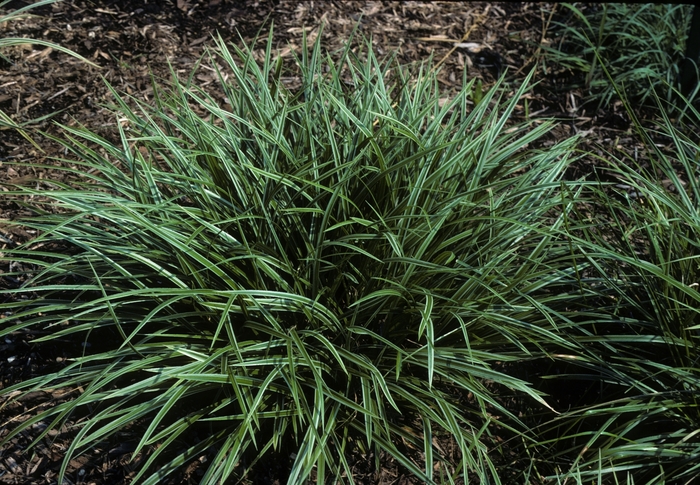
<point>634,48</point>
<point>315,276</point>
<point>644,352</point>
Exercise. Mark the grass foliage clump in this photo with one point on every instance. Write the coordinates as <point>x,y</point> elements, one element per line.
<point>642,239</point>
<point>631,48</point>
<point>318,273</point>
<point>361,268</point>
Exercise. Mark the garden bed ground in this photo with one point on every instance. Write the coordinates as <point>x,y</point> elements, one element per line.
<point>132,40</point>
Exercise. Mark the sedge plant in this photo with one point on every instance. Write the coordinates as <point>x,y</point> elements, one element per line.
<point>642,241</point>
<point>636,47</point>
<point>347,269</point>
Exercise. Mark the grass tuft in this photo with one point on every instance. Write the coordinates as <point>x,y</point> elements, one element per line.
<point>311,274</point>
<point>635,49</point>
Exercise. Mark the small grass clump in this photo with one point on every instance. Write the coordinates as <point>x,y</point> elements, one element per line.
<point>642,238</point>
<point>309,276</point>
<point>631,48</point>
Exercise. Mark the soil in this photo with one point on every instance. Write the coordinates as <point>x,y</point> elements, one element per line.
<point>132,40</point>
